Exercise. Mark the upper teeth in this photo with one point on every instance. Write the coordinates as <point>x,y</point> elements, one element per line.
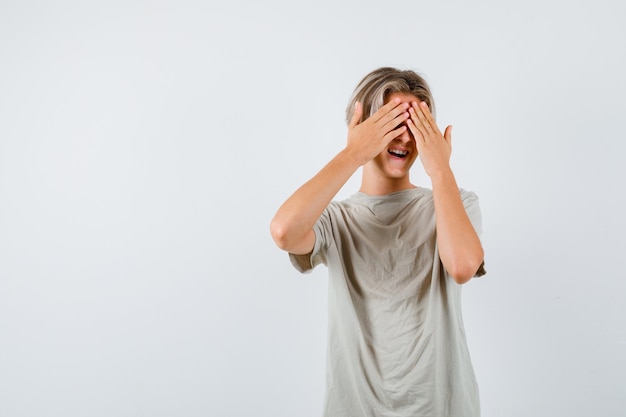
<point>398,152</point>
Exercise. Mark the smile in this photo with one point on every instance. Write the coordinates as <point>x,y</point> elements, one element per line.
<point>398,153</point>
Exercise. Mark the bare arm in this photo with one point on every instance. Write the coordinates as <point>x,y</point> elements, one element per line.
<point>459,247</point>
<point>292,226</point>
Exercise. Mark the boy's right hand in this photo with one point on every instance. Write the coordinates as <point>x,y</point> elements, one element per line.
<point>369,138</point>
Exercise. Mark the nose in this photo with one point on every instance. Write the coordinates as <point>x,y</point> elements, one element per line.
<point>406,136</point>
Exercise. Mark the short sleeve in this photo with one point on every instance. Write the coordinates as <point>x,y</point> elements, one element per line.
<point>472,208</point>
<point>322,229</point>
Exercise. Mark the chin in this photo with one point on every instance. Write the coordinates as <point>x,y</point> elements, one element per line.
<point>395,174</point>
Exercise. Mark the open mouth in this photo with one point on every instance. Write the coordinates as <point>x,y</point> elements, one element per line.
<point>397,153</point>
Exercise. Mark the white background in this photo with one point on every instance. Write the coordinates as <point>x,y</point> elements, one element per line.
<point>145,146</point>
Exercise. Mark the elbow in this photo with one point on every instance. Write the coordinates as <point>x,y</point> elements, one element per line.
<point>279,234</point>
<point>282,234</point>
<point>464,270</point>
<point>290,237</point>
<point>462,275</point>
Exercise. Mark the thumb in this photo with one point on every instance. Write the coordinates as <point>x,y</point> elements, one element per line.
<point>447,135</point>
<point>356,115</point>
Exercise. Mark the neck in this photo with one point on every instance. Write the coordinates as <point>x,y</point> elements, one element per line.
<point>374,184</point>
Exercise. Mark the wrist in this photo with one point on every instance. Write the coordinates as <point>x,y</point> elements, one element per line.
<point>443,175</point>
<point>352,156</point>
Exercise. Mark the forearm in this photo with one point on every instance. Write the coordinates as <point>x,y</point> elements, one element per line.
<point>296,217</point>
<point>292,226</point>
<point>459,247</point>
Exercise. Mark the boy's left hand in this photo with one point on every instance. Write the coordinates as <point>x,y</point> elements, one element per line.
<point>433,147</point>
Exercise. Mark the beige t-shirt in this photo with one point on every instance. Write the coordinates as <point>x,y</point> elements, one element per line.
<point>396,341</point>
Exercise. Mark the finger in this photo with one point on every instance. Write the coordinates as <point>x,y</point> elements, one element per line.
<point>418,134</point>
<point>396,121</point>
<point>389,111</point>
<point>395,133</point>
<point>417,121</point>
<point>421,116</point>
<point>432,124</point>
<point>356,115</point>
<point>447,135</point>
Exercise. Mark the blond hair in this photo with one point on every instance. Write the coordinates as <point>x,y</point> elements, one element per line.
<point>378,85</point>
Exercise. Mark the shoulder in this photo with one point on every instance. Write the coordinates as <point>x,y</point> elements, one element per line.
<point>337,211</point>
<point>348,204</point>
<point>467,195</point>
